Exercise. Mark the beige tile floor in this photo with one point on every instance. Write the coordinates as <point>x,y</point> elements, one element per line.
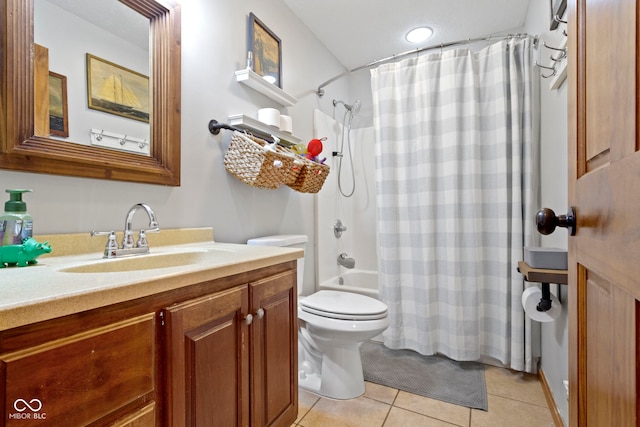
<point>515,400</point>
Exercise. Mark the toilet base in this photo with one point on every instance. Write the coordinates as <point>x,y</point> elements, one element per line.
<point>341,376</point>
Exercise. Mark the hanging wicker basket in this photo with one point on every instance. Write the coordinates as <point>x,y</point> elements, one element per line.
<point>311,176</point>
<point>248,159</point>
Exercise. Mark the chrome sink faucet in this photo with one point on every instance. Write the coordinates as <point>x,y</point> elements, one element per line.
<point>112,250</point>
<point>127,239</point>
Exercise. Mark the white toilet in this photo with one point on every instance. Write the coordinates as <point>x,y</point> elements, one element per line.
<point>331,326</point>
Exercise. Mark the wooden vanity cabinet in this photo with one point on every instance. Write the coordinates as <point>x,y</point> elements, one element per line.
<point>184,357</point>
<point>232,356</point>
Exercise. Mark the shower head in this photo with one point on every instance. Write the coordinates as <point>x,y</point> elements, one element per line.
<point>353,108</point>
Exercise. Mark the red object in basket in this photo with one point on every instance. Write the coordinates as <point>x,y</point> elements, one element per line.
<point>314,148</point>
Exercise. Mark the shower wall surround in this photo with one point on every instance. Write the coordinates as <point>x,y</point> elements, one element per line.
<point>357,212</point>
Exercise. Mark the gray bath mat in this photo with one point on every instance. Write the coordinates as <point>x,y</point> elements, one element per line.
<point>437,377</point>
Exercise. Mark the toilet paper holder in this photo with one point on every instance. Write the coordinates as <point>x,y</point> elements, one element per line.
<point>545,301</point>
<point>545,277</point>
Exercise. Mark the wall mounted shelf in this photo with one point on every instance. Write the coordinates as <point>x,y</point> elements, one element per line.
<point>542,275</point>
<point>258,128</point>
<point>251,79</point>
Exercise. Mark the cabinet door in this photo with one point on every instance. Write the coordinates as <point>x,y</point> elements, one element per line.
<point>207,361</point>
<point>274,351</point>
<point>82,379</point>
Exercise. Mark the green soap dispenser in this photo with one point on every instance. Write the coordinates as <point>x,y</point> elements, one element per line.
<point>16,224</point>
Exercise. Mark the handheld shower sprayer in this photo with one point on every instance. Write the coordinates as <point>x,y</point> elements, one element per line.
<point>351,110</point>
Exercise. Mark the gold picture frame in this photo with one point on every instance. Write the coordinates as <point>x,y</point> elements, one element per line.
<point>114,89</point>
<point>266,51</point>
<point>58,112</point>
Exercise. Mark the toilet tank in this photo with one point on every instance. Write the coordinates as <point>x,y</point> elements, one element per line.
<point>288,241</point>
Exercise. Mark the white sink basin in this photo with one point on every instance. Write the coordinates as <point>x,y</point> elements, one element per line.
<point>151,261</point>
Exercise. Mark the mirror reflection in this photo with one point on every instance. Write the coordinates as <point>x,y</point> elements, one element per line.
<point>27,144</point>
<point>102,61</point>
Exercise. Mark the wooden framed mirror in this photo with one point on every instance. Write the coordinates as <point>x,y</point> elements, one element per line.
<point>21,150</point>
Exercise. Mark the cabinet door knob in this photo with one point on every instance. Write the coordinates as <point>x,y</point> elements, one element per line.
<point>260,313</point>
<point>249,319</point>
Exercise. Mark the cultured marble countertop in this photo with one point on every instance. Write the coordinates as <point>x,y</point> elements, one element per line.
<point>42,291</point>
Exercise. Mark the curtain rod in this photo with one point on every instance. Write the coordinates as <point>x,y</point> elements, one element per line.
<point>320,90</point>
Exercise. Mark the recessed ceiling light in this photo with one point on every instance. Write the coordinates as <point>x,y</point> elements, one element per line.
<point>419,34</point>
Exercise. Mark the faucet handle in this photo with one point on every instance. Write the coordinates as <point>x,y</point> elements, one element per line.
<point>142,240</point>
<point>142,237</point>
<point>112,244</point>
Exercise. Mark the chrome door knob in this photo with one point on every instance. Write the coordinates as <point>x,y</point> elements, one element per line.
<point>547,221</point>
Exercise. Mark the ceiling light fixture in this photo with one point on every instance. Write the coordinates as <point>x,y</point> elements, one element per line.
<point>419,34</point>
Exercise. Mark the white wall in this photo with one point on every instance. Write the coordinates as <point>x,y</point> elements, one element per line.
<point>214,45</point>
<point>553,187</point>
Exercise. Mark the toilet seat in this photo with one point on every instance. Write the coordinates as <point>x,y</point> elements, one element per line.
<point>343,306</point>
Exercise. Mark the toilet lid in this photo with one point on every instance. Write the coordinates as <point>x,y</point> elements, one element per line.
<point>344,305</point>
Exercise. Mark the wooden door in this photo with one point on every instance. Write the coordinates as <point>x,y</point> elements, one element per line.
<point>207,361</point>
<point>604,187</point>
<point>274,351</point>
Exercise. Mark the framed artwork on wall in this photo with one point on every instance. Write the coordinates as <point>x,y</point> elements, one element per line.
<point>117,90</point>
<point>58,114</point>
<point>266,51</point>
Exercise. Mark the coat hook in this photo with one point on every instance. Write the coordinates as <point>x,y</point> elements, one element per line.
<point>558,20</point>
<point>553,70</point>
<point>563,50</point>
<point>99,137</point>
<point>123,140</point>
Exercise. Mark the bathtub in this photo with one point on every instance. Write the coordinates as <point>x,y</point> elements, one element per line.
<point>363,282</point>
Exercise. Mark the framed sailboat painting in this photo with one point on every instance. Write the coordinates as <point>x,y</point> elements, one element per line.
<point>117,90</point>
<point>58,112</point>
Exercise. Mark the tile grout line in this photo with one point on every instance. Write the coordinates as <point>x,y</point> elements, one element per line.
<point>518,400</point>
